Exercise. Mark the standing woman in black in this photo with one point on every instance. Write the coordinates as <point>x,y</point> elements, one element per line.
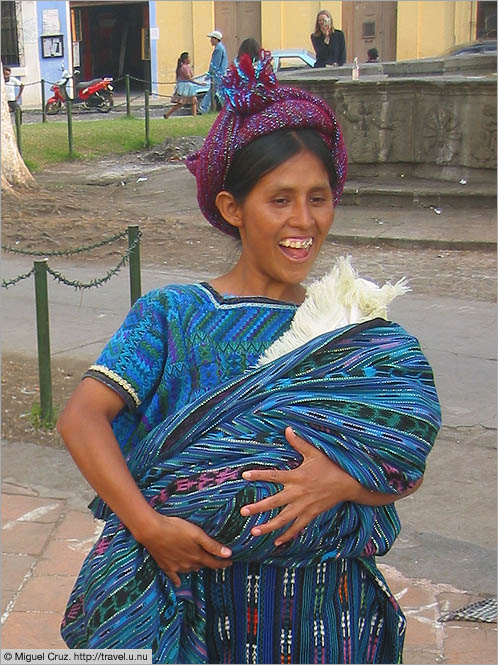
<point>329,43</point>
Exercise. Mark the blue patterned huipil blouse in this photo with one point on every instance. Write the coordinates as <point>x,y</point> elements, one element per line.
<point>175,344</point>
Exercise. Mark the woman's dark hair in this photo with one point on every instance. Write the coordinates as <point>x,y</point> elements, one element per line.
<point>181,61</point>
<point>251,47</point>
<point>264,154</point>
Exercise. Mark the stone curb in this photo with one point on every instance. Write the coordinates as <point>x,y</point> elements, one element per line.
<point>412,243</point>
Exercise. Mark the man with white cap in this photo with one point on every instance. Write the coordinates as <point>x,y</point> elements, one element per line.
<point>217,67</point>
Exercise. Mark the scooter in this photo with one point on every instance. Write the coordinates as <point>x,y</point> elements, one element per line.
<point>94,94</point>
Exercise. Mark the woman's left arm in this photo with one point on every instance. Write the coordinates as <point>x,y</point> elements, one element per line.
<point>341,48</point>
<point>313,487</point>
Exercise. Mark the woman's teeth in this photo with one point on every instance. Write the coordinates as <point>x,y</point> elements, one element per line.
<point>297,244</point>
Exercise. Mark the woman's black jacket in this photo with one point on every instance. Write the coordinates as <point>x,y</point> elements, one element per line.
<point>333,53</point>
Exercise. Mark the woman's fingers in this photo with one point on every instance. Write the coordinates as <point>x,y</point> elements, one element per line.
<point>277,522</point>
<point>276,476</point>
<point>193,561</point>
<point>294,530</point>
<point>182,547</point>
<point>212,546</point>
<point>172,576</point>
<point>208,561</point>
<point>303,447</point>
<point>271,502</point>
<point>307,491</point>
<point>281,477</point>
<point>298,524</point>
<point>266,475</point>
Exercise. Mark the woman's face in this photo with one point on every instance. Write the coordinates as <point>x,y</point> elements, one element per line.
<point>283,222</point>
<point>324,22</point>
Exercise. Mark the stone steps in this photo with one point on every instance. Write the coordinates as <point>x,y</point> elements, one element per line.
<point>417,192</point>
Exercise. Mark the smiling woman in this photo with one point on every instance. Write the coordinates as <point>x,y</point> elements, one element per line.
<point>254,474</point>
<point>281,206</point>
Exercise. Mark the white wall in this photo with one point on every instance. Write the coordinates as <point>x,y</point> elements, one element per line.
<point>30,72</point>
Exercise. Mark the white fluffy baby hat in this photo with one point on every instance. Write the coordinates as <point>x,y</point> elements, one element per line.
<point>336,300</point>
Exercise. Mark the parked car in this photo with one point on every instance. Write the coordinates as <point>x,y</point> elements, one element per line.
<point>284,60</point>
<point>203,84</point>
<point>477,46</point>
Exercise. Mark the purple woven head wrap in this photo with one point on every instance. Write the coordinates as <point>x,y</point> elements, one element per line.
<point>255,105</point>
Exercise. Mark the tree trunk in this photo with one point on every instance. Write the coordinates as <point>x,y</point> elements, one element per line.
<point>15,174</point>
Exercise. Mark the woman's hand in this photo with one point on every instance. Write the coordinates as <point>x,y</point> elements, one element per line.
<point>85,425</point>
<point>177,546</point>
<point>313,487</point>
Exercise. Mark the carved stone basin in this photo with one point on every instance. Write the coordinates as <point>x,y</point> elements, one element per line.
<point>441,126</point>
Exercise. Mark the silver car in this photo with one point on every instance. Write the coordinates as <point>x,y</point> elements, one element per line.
<point>286,60</point>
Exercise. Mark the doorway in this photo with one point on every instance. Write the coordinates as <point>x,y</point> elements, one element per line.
<point>112,40</point>
<point>367,25</point>
<point>237,21</point>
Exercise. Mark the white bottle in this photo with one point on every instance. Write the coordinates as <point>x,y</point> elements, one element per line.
<point>355,72</point>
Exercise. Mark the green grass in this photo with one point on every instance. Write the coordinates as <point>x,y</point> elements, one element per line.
<point>42,423</point>
<point>47,143</point>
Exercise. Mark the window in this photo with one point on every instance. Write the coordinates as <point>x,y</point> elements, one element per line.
<point>289,63</point>
<point>368,30</point>
<point>10,37</point>
<point>486,20</point>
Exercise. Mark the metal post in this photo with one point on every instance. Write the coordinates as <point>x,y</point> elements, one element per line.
<point>128,102</point>
<point>212,93</point>
<point>43,334</point>
<point>147,120</point>
<point>44,111</point>
<point>134,249</point>
<point>69,126</point>
<point>18,129</point>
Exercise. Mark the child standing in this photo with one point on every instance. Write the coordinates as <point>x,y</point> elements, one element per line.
<point>185,90</point>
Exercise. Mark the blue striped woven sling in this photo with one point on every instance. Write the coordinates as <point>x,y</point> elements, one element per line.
<point>363,394</point>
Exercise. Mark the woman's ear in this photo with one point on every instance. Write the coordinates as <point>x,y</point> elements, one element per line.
<point>229,209</point>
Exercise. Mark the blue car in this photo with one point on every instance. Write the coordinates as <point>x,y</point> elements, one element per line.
<point>477,46</point>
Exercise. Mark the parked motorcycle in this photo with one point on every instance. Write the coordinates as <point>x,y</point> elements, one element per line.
<point>94,94</point>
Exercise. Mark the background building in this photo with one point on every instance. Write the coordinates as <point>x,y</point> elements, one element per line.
<point>144,39</point>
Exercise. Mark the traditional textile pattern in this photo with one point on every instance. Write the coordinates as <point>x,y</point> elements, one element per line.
<point>482,610</point>
<point>329,613</point>
<point>365,396</point>
<point>178,342</point>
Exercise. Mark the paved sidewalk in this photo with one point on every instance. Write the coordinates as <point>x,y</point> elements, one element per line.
<point>46,537</point>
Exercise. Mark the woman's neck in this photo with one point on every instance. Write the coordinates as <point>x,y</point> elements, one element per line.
<point>238,283</point>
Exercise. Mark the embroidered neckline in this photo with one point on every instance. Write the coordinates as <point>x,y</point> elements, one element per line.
<point>228,299</point>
